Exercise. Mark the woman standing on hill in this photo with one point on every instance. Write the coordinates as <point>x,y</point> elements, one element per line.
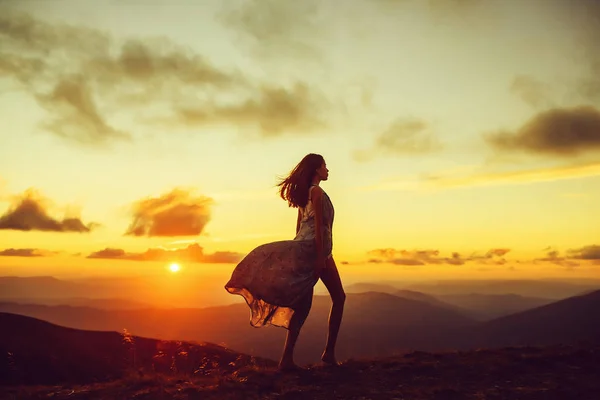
<point>277,279</point>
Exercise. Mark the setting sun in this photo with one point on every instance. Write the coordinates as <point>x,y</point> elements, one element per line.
<point>174,267</point>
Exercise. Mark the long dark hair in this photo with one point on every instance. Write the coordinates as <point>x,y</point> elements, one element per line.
<point>294,188</point>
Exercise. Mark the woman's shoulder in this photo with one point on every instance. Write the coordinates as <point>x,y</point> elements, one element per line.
<point>316,189</point>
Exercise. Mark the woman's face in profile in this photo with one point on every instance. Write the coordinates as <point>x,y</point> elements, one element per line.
<point>323,172</point>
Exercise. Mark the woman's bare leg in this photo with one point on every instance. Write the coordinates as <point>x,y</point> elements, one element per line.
<point>296,322</point>
<point>331,278</point>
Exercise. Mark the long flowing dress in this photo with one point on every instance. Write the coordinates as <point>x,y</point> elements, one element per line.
<point>275,278</point>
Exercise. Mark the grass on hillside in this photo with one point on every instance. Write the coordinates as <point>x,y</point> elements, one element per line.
<point>527,373</point>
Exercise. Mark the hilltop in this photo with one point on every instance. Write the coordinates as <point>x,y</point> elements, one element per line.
<point>50,361</point>
<point>527,373</point>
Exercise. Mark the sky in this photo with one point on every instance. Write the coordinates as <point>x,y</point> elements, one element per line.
<point>462,136</point>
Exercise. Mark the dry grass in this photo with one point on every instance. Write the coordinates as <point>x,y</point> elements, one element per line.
<point>527,373</point>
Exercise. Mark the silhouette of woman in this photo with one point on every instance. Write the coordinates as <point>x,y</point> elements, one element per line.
<point>277,279</point>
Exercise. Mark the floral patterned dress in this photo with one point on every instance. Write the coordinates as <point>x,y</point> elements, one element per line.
<point>276,277</point>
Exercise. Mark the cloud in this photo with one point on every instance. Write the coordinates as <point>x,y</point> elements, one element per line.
<point>531,90</point>
<point>30,212</point>
<point>272,111</point>
<point>25,253</point>
<point>76,115</point>
<point>585,16</point>
<point>513,177</point>
<point>553,256</point>
<point>403,137</point>
<point>193,253</point>
<point>564,132</point>
<point>439,4</point>
<point>274,28</point>
<point>585,253</point>
<point>87,80</point>
<point>176,213</point>
<point>423,257</point>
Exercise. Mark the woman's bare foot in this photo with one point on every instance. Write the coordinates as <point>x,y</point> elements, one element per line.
<point>288,366</point>
<point>329,359</point>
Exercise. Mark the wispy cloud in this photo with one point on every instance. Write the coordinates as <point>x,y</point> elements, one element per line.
<point>553,256</point>
<point>469,176</point>
<point>30,212</point>
<point>403,137</point>
<point>493,257</point>
<point>514,177</point>
<point>275,29</point>
<point>572,257</point>
<point>25,253</point>
<point>431,256</point>
<point>193,253</point>
<point>84,78</point>
<point>531,90</point>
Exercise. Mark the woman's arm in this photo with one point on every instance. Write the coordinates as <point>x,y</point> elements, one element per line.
<point>298,221</point>
<point>317,199</point>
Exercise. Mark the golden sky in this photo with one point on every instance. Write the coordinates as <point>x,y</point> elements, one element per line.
<point>462,137</point>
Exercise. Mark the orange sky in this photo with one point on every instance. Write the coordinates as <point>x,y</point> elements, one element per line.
<point>462,138</point>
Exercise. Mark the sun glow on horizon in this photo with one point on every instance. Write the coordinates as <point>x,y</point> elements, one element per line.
<point>174,267</point>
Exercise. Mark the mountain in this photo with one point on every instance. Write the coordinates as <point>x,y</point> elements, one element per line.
<point>36,352</point>
<point>531,288</point>
<point>363,287</point>
<point>426,298</point>
<point>12,287</point>
<point>374,324</point>
<point>173,291</point>
<point>490,306</point>
<point>102,304</point>
<point>572,320</point>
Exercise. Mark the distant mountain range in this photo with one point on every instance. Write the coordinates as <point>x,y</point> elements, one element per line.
<point>374,324</point>
<point>177,291</point>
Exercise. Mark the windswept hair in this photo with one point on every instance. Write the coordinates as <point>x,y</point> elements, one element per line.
<point>294,188</point>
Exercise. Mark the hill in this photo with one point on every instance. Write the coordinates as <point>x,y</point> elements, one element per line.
<point>38,352</point>
<point>491,306</point>
<point>362,287</point>
<point>374,324</point>
<point>529,373</point>
<point>550,289</point>
<point>575,319</point>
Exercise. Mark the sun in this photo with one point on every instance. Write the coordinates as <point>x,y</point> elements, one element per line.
<point>174,267</point>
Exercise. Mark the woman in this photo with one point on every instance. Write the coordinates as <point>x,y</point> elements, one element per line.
<point>277,279</point>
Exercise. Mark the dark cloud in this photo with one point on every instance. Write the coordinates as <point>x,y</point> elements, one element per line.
<point>563,132</point>
<point>30,212</point>
<point>84,78</point>
<point>402,137</point>
<point>24,253</point>
<point>423,257</point>
<point>531,90</point>
<point>585,253</point>
<point>193,253</point>
<point>176,213</point>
